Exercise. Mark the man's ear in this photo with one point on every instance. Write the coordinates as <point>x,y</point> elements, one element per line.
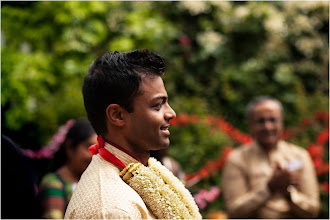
<point>115,114</point>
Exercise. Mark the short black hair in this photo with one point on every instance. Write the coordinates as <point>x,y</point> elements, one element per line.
<point>115,78</point>
<point>261,99</point>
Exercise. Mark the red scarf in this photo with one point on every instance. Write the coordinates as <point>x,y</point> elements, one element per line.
<point>105,154</point>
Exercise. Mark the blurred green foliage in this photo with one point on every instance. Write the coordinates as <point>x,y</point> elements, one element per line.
<point>219,56</point>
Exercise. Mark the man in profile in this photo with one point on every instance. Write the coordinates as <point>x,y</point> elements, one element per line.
<point>270,178</point>
<point>127,104</point>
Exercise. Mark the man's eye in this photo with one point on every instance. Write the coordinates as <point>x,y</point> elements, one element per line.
<point>159,105</point>
<point>273,120</point>
<point>264,120</point>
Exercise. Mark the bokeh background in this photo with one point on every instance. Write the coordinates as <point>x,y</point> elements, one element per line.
<point>219,55</point>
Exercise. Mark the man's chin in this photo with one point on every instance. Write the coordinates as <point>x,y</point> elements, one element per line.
<point>165,145</point>
<point>162,146</point>
<point>268,144</point>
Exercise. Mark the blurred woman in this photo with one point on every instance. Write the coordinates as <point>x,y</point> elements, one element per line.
<point>70,162</point>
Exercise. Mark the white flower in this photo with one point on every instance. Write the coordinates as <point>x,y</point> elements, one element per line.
<point>195,7</point>
<point>210,41</point>
<point>275,23</point>
<point>306,5</point>
<point>241,12</point>
<point>163,193</point>
<point>308,45</point>
<point>302,24</point>
<point>225,5</point>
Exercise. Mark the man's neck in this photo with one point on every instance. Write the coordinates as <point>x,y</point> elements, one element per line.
<point>143,157</point>
<point>268,148</point>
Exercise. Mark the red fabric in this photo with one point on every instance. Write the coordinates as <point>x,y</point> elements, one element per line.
<point>93,149</point>
<point>99,148</point>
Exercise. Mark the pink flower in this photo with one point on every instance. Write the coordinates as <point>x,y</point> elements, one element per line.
<point>29,153</point>
<point>69,123</point>
<point>46,153</point>
<point>203,196</point>
<point>59,137</point>
<point>200,202</point>
<point>53,145</point>
<point>212,194</point>
<point>202,193</point>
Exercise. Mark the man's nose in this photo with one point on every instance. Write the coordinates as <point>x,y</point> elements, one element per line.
<point>268,124</point>
<point>170,113</point>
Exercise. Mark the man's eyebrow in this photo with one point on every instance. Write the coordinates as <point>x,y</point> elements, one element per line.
<point>160,97</point>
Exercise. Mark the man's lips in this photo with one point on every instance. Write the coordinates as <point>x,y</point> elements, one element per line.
<point>268,133</point>
<point>164,129</point>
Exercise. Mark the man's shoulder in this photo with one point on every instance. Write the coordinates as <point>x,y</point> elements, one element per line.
<point>241,152</point>
<point>110,199</point>
<point>293,147</point>
<point>101,184</point>
<point>244,149</point>
<point>103,177</point>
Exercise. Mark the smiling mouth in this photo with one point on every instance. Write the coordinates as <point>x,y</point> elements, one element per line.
<point>165,130</point>
<point>164,127</point>
<point>269,133</point>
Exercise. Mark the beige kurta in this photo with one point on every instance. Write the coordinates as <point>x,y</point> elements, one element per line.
<point>245,177</point>
<point>102,194</point>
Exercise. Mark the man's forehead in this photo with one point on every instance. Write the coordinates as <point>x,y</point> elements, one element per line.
<point>153,87</point>
<point>150,78</point>
<point>269,106</point>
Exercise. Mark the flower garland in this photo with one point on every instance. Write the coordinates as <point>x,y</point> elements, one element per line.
<point>162,192</point>
<point>53,145</point>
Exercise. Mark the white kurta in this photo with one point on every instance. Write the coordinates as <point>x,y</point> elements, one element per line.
<point>102,194</point>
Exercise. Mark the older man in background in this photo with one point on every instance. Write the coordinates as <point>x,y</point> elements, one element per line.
<point>270,178</point>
